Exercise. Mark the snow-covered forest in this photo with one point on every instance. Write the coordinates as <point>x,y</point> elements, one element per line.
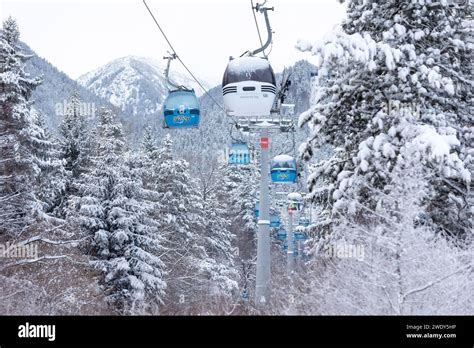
<point>128,218</point>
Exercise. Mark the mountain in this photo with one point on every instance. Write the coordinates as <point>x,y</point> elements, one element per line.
<point>55,90</point>
<point>136,85</point>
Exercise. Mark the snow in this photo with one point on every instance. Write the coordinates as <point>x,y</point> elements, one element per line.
<point>449,88</point>
<point>364,151</point>
<point>388,150</point>
<point>303,45</point>
<point>372,65</point>
<point>417,35</point>
<point>378,141</point>
<point>295,196</point>
<point>400,29</point>
<point>403,73</point>
<point>389,58</point>
<point>244,64</point>
<point>434,78</point>
<point>283,158</point>
<point>436,144</point>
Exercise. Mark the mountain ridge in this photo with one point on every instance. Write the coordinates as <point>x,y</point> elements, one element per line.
<point>135,84</point>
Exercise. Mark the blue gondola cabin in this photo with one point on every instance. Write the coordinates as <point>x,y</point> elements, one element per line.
<point>304,222</point>
<point>274,221</point>
<point>283,169</point>
<point>181,109</point>
<point>281,235</point>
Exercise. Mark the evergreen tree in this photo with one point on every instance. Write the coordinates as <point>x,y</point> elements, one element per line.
<point>179,212</point>
<point>241,183</point>
<point>394,75</point>
<point>18,133</point>
<point>147,159</point>
<point>50,185</point>
<point>218,239</point>
<point>114,211</point>
<point>149,146</point>
<point>76,146</point>
<point>75,140</point>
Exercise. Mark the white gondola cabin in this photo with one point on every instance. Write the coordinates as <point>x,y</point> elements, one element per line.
<point>249,87</point>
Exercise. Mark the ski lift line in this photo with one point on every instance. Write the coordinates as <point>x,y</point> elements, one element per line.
<point>258,29</point>
<point>159,27</point>
<point>179,59</point>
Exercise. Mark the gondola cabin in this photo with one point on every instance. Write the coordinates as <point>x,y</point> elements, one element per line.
<point>283,169</point>
<point>249,87</point>
<point>295,201</point>
<point>303,222</point>
<point>298,235</point>
<point>274,221</point>
<point>281,235</point>
<point>181,109</point>
<point>239,154</point>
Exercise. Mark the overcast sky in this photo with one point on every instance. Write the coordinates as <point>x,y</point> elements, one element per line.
<point>79,36</point>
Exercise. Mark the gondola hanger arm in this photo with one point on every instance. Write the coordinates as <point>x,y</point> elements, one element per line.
<point>260,8</point>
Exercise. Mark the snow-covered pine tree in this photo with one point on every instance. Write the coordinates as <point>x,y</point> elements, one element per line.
<point>219,241</point>
<point>395,73</point>
<point>115,214</point>
<point>241,184</point>
<point>180,215</point>
<point>18,169</point>
<point>50,185</point>
<point>76,146</point>
<point>149,145</point>
<point>147,159</point>
<point>74,137</point>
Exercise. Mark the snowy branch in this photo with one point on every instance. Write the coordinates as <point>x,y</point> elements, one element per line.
<point>30,261</point>
<point>49,241</point>
<point>432,283</point>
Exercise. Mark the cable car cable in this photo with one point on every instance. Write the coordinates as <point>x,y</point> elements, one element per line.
<point>182,63</point>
